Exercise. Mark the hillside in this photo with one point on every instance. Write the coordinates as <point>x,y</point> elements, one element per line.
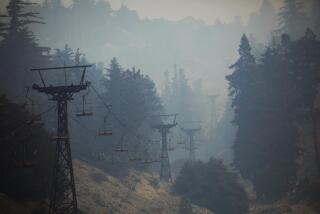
<point>283,206</point>
<point>136,193</point>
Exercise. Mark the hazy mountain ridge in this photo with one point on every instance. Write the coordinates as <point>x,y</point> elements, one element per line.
<point>152,45</point>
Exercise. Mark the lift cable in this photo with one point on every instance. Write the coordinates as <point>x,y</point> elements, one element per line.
<point>82,125</point>
<point>29,122</point>
<point>137,136</point>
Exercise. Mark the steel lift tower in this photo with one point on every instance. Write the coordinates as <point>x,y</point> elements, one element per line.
<point>164,127</point>
<point>63,194</point>
<point>191,132</point>
<point>213,116</point>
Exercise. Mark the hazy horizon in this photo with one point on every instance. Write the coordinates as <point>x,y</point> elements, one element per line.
<point>211,73</point>
<point>205,10</point>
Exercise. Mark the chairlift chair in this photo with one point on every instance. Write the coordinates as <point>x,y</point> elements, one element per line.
<point>84,112</point>
<point>181,140</point>
<point>122,150</point>
<point>151,161</point>
<point>135,156</point>
<point>162,157</point>
<point>105,131</point>
<point>30,102</point>
<point>25,162</point>
<point>171,148</point>
<point>135,159</point>
<point>170,145</point>
<point>101,156</point>
<point>56,138</point>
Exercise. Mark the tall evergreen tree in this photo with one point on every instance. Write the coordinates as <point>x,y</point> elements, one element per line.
<point>240,80</point>
<point>64,57</point>
<point>276,134</point>
<point>19,50</point>
<point>266,106</point>
<point>56,4</point>
<point>27,156</point>
<point>292,20</point>
<point>178,95</point>
<point>241,87</point>
<point>134,101</point>
<point>262,23</point>
<point>307,65</point>
<point>18,19</point>
<point>315,17</point>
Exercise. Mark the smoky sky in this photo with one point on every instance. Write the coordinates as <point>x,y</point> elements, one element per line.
<point>206,10</point>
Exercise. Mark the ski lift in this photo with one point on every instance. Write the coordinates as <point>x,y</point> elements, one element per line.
<point>121,149</point>
<point>30,102</point>
<point>151,161</point>
<point>113,159</point>
<point>101,156</point>
<point>171,148</point>
<point>84,112</point>
<point>170,145</point>
<point>27,160</point>
<point>135,157</point>
<point>151,142</point>
<point>106,131</point>
<point>59,138</point>
<point>181,140</point>
<point>163,157</point>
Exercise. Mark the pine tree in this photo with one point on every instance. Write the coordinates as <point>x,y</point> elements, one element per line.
<point>307,80</point>
<point>240,81</point>
<point>56,4</point>
<point>179,98</point>
<point>18,20</point>
<point>64,57</point>
<point>274,145</point>
<point>242,92</point>
<point>26,157</point>
<point>134,100</point>
<point>262,23</point>
<point>315,17</point>
<point>292,20</point>
<point>266,106</point>
<point>19,50</point>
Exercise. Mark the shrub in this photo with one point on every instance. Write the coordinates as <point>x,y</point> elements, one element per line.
<point>213,186</point>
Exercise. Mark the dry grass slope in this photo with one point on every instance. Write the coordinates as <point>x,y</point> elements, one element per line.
<point>138,193</point>
<point>282,207</point>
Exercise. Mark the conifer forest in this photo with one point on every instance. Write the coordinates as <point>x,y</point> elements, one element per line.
<point>159,107</point>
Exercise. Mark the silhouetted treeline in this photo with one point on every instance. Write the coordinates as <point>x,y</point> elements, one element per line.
<point>134,103</point>
<point>273,99</point>
<point>19,50</point>
<point>26,155</point>
<point>133,96</point>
